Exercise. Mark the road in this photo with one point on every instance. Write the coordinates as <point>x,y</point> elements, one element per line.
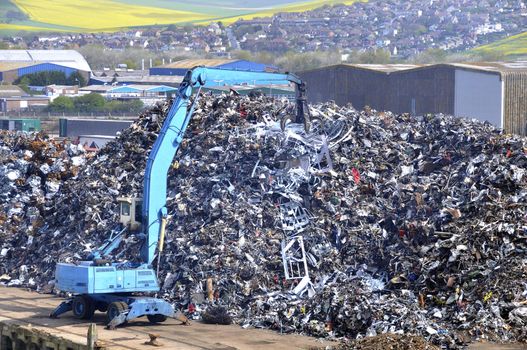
<point>18,306</point>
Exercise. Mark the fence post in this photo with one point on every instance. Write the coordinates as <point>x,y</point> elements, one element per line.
<point>92,336</point>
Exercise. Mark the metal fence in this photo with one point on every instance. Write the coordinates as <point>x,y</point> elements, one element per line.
<point>55,115</point>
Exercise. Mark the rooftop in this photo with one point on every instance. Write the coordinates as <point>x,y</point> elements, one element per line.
<point>386,68</point>
<point>11,90</point>
<point>136,87</point>
<point>502,67</point>
<point>98,88</point>
<point>191,63</point>
<point>493,67</point>
<point>68,58</point>
<point>147,79</point>
<point>7,66</point>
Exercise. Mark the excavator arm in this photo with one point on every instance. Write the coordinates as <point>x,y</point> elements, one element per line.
<point>100,283</point>
<point>154,211</point>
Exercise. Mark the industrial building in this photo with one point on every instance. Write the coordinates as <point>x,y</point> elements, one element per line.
<point>179,68</point>
<point>127,77</point>
<point>493,92</point>
<point>14,99</point>
<point>93,133</point>
<point>22,124</point>
<point>148,94</point>
<point>17,63</point>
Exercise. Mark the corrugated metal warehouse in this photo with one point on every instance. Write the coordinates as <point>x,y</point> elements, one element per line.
<point>77,127</point>
<point>493,92</point>
<point>28,125</point>
<point>180,68</point>
<point>16,63</point>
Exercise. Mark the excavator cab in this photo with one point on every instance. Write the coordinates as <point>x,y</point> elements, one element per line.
<point>130,212</point>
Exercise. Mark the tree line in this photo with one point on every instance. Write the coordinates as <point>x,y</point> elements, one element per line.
<point>46,78</point>
<point>94,103</point>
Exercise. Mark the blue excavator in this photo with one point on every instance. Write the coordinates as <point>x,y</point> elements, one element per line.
<point>121,288</point>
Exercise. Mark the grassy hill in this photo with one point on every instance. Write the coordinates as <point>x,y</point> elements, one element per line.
<point>513,46</point>
<point>114,15</point>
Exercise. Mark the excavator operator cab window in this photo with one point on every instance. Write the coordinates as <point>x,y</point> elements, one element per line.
<point>131,214</point>
<point>138,211</point>
<point>125,209</point>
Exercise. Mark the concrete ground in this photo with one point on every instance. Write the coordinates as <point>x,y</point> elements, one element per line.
<point>22,307</point>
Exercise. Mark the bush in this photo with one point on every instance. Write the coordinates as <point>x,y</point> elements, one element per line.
<point>61,104</point>
<point>94,103</point>
<point>132,106</point>
<point>45,78</point>
<point>89,103</point>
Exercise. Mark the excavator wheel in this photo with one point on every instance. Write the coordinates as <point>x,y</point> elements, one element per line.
<point>115,309</point>
<point>157,318</point>
<point>83,308</point>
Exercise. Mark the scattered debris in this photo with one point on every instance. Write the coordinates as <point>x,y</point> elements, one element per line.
<point>409,225</point>
<point>390,341</point>
<point>216,315</point>
<point>153,340</point>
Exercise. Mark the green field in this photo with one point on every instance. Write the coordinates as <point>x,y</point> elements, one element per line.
<point>115,15</point>
<point>510,47</point>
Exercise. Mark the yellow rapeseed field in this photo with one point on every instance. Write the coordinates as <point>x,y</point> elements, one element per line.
<point>110,15</point>
<point>101,14</point>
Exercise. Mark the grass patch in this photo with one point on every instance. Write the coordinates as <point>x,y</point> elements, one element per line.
<point>515,45</point>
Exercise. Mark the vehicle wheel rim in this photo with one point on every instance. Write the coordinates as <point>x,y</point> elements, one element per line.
<point>79,308</point>
<point>113,312</point>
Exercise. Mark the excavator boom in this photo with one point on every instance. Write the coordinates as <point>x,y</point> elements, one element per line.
<point>171,135</point>
<point>110,286</point>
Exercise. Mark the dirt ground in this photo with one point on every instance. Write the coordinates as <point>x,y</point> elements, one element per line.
<point>29,308</point>
<point>22,307</point>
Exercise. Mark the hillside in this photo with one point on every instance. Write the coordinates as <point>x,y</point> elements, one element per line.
<point>510,47</point>
<point>114,15</point>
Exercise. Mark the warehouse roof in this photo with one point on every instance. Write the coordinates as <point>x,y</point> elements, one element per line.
<point>141,88</point>
<point>191,63</point>
<point>146,79</point>
<point>6,66</point>
<point>128,88</point>
<point>491,67</point>
<point>501,67</point>
<point>98,88</point>
<point>11,90</point>
<point>380,68</point>
<point>68,58</point>
<point>386,68</point>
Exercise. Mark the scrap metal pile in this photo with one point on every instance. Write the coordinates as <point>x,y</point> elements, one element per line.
<point>32,169</point>
<point>370,223</point>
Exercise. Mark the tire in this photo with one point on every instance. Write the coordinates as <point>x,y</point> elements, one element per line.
<point>115,309</point>
<point>157,318</point>
<point>83,307</point>
<point>102,307</point>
